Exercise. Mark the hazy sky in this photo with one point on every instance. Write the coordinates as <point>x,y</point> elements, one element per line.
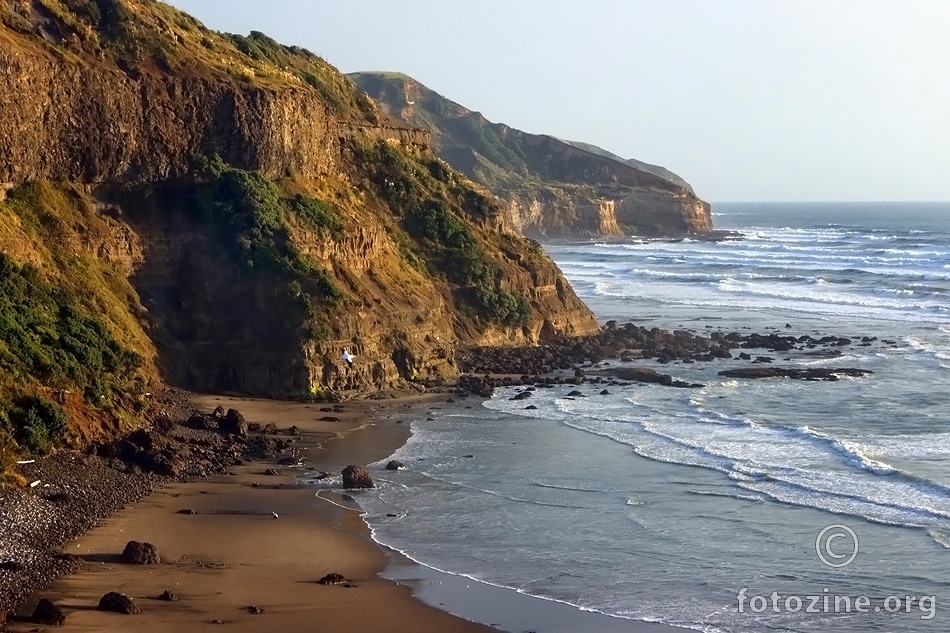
<point>746,99</point>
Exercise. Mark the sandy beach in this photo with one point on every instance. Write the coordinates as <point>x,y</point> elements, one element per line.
<point>232,553</point>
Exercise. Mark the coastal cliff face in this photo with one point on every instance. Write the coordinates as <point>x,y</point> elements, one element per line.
<point>90,122</point>
<point>548,186</point>
<point>233,213</point>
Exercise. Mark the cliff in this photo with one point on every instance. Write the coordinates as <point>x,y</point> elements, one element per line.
<point>226,213</point>
<point>549,187</point>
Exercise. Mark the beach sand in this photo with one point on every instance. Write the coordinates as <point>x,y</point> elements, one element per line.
<point>232,553</point>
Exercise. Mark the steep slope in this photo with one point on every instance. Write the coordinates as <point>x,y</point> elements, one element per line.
<point>656,170</point>
<point>550,187</point>
<point>227,213</point>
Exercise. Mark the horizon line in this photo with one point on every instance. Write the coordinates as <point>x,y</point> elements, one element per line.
<point>711,202</point>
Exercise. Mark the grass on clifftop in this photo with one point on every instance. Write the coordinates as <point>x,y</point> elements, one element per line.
<point>148,35</point>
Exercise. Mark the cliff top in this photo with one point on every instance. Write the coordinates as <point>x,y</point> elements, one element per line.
<point>504,156</point>
<point>148,36</point>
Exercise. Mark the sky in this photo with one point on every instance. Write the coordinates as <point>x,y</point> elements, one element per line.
<point>748,100</point>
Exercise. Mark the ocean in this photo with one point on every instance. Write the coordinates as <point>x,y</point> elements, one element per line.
<point>746,505</point>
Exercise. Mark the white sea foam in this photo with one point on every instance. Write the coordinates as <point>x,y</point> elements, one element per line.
<point>662,480</point>
<point>941,537</point>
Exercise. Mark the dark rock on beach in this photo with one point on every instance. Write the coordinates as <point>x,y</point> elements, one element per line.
<point>48,613</point>
<point>645,374</point>
<point>333,579</point>
<point>81,489</point>
<point>356,477</point>
<point>235,423</point>
<point>136,553</point>
<point>168,596</point>
<point>117,603</point>
<point>490,367</point>
<point>395,465</point>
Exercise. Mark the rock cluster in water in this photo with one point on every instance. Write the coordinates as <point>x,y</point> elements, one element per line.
<point>487,368</point>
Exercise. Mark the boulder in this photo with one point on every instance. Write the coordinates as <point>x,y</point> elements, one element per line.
<point>395,465</point>
<point>333,579</point>
<point>158,463</point>
<point>234,423</point>
<point>168,596</point>
<point>136,553</point>
<point>117,603</point>
<point>203,422</point>
<point>163,423</point>
<point>254,609</point>
<point>48,613</point>
<point>356,477</point>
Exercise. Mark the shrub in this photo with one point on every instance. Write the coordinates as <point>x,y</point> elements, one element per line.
<point>317,331</point>
<point>247,206</point>
<point>38,424</point>
<point>501,306</point>
<point>319,214</point>
<point>45,332</point>
<point>421,192</point>
<point>453,247</point>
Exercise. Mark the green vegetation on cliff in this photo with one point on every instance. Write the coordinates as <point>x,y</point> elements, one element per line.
<point>60,357</point>
<point>46,334</point>
<point>250,210</point>
<point>419,190</point>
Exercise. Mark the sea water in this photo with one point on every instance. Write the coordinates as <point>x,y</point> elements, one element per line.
<point>667,505</point>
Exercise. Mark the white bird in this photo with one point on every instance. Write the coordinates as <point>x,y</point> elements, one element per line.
<point>274,514</point>
<point>347,357</point>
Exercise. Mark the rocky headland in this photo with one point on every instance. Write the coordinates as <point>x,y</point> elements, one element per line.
<point>549,187</point>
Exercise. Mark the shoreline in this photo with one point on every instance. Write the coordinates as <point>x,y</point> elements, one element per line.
<point>231,553</point>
